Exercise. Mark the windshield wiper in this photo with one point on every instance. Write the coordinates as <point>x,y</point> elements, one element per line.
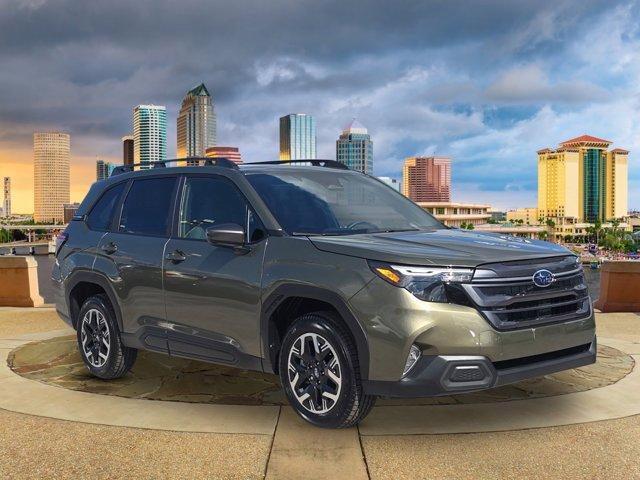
<point>396,230</point>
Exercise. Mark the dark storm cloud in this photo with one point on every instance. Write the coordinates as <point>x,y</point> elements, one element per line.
<point>420,74</point>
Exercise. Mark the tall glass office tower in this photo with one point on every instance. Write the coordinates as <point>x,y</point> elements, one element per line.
<point>149,133</point>
<point>297,137</point>
<point>196,124</point>
<point>354,148</point>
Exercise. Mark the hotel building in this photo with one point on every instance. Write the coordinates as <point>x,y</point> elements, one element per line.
<point>149,133</point>
<point>427,179</point>
<point>583,181</point>
<point>51,158</point>
<point>196,123</point>
<point>354,148</point>
<point>297,137</point>
<point>231,153</point>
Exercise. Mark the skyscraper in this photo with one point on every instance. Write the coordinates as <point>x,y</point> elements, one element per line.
<point>581,180</point>
<point>149,133</point>
<point>127,150</point>
<point>7,197</point>
<point>232,153</point>
<point>354,148</point>
<point>103,169</point>
<point>427,179</point>
<point>297,137</point>
<point>51,155</point>
<point>196,124</point>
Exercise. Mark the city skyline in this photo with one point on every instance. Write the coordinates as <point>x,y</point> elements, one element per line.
<point>418,95</point>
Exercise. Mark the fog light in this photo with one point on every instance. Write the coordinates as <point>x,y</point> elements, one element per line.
<point>412,359</point>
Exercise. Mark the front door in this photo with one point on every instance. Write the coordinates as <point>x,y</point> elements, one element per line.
<point>212,293</point>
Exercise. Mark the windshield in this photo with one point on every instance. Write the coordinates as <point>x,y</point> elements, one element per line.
<point>334,202</point>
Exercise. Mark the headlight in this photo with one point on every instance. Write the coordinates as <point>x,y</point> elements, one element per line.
<point>431,284</point>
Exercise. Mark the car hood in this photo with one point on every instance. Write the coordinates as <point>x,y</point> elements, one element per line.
<point>439,247</point>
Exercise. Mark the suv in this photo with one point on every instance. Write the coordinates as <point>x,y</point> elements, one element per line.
<point>327,277</point>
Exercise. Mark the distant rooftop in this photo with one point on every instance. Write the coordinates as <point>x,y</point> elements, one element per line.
<point>199,91</point>
<point>354,126</point>
<point>585,139</point>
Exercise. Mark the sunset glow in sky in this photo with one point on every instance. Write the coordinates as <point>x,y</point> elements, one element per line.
<point>486,83</point>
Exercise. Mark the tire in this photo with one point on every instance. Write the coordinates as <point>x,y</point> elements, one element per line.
<point>322,378</point>
<point>99,341</point>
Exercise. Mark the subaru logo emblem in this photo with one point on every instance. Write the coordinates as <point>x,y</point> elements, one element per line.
<point>543,278</point>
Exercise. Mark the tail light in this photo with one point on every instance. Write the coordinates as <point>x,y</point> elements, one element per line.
<point>61,239</point>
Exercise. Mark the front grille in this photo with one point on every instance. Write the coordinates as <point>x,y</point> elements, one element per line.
<point>509,300</point>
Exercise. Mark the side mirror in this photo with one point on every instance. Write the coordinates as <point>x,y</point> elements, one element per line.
<point>226,235</point>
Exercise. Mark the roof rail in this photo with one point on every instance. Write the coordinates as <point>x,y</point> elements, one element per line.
<point>190,161</point>
<point>315,162</point>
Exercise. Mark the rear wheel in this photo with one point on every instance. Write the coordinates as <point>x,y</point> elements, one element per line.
<point>320,374</point>
<point>99,341</point>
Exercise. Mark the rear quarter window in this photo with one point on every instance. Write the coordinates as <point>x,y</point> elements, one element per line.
<point>102,212</point>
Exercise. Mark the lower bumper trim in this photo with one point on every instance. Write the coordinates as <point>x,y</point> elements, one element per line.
<point>446,375</point>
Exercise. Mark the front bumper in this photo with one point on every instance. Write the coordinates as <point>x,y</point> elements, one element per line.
<point>437,375</point>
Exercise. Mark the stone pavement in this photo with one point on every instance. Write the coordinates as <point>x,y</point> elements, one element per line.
<point>256,437</point>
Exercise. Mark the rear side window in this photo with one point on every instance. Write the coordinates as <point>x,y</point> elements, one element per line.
<point>147,208</point>
<point>102,212</point>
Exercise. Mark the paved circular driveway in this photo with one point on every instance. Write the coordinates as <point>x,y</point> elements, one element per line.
<point>174,394</point>
<point>56,361</point>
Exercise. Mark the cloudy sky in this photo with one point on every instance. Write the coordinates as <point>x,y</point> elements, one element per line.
<point>484,82</point>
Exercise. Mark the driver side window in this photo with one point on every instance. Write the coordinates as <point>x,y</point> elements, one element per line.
<point>209,201</point>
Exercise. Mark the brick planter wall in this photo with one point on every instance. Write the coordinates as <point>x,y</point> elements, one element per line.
<point>619,287</point>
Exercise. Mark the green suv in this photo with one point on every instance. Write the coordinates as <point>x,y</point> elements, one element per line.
<point>324,276</point>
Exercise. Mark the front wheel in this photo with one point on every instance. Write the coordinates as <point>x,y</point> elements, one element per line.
<point>320,373</point>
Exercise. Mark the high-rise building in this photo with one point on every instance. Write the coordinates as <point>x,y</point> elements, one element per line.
<point>427,179</point>
<point>581,180</point>
<point>297,137</point>
<point>196,124</point>
<point>103,169</point>
<point>69,210</point>
<point>392,182</point>
<point>354,148</point>
<point>127,150</point>
<point>7,197</point>
<point>232,153</point>
<point>51,155</point>
<point>149,133</point>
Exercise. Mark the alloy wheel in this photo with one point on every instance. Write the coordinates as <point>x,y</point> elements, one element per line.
<point>314,373</point>
<point>95,339</point>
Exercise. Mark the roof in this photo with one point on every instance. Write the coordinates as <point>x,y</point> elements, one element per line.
<point>620,150</point>
<point>199,90</point>
<point>545,150</point>
<point>354,126</point>
<point>586,139</point>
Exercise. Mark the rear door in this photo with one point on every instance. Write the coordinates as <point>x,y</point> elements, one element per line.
<point>212,293</point>
<point>132,252</point>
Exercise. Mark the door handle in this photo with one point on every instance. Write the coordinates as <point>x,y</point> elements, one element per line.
<point>176,256</point>
<point>109,248</point>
